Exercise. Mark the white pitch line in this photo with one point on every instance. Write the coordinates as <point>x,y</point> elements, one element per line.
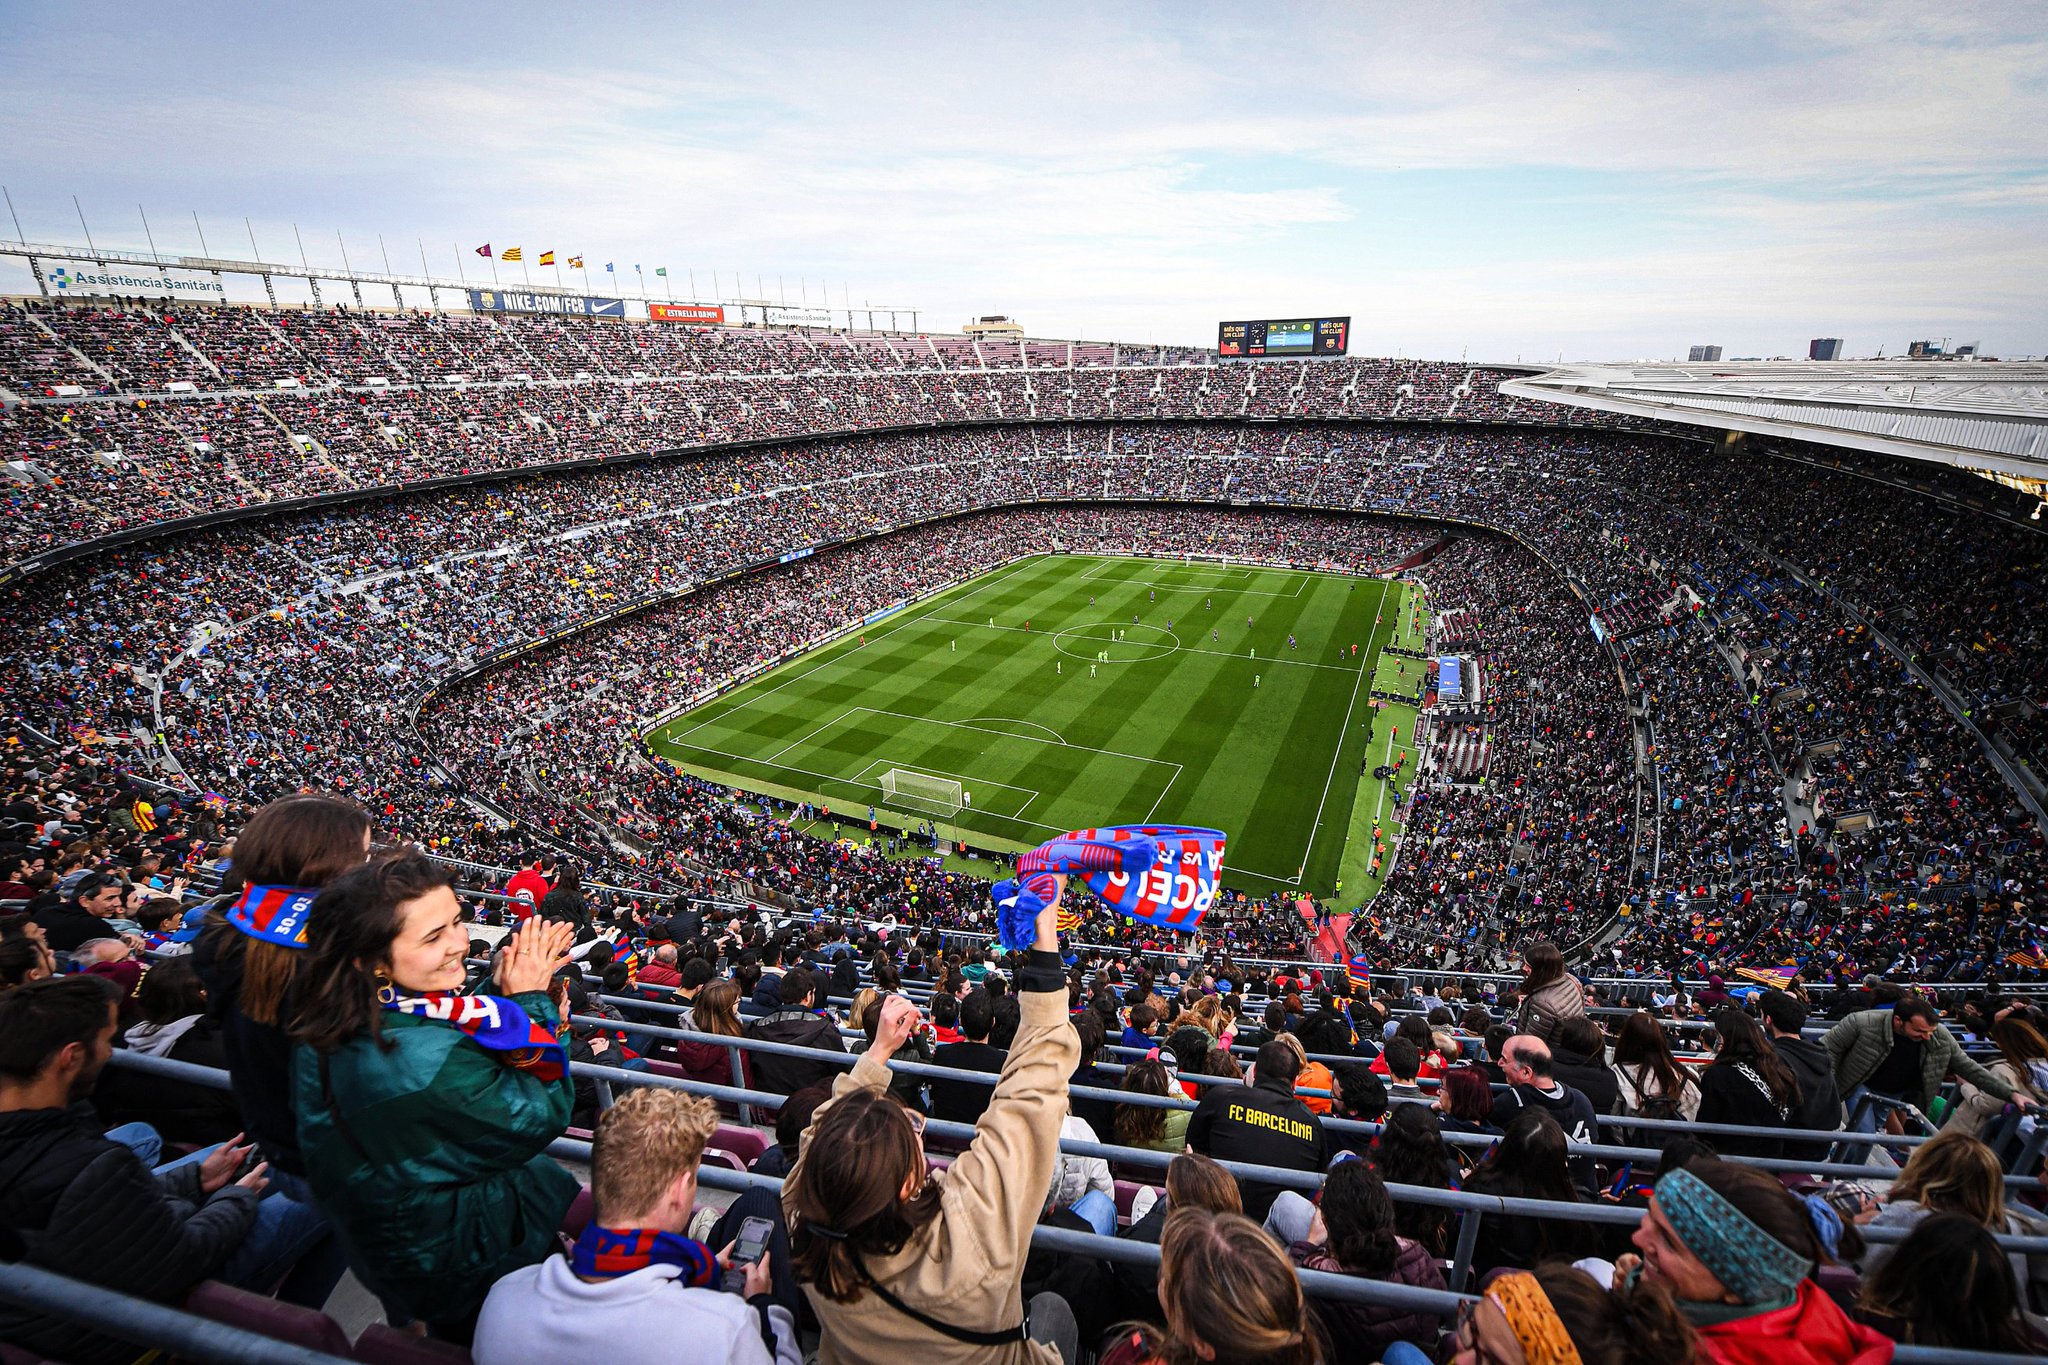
<point>904,618</point>
<point>1191,649</point>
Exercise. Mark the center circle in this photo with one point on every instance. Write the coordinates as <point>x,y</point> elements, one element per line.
<point>1085,642</point>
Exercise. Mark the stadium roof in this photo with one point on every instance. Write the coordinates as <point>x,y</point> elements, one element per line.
<point>1987,415</point>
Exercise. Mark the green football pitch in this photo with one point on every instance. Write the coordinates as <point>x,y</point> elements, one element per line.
<point>1065,691</point>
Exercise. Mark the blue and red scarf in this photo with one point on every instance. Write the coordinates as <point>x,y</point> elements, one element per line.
<point>495,1024</point>
<point>606,1253</point>
<point>274,914</point>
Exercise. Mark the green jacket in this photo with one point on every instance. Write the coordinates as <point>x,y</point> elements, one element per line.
<point>1860,1043</point>
<point>429,1155</point>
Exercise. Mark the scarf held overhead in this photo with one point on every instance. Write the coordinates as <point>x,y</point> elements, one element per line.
<point>1164,875</point>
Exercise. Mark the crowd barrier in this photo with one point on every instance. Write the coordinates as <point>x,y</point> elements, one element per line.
<point>1472,1208</point>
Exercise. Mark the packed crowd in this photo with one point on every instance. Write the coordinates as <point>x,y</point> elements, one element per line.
<point>255,660</point>
<point>1302,1153</point>
<point>288,404</point>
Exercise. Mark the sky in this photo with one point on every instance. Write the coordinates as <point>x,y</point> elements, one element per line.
<point>1564,181</point>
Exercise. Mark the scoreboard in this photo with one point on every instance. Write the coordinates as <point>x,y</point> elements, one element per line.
<point>1284,337</point>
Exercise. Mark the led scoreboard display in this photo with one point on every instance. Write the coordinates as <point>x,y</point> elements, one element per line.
<point>1284,337</point>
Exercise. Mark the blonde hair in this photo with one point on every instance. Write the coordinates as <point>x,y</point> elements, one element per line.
<point>1208,1012</point>
<point>1294,1045</point>
<point>643,1143</point>
<point>1952,1172</point>
<point>864,1000</point>
<point>1228,1286</point>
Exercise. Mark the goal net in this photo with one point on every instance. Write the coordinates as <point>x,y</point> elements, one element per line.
<point>921,792</point>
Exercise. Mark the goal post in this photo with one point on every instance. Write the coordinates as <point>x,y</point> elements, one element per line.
<point>921,792</point>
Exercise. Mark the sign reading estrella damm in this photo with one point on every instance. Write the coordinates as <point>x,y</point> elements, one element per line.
<point>1270,338</point>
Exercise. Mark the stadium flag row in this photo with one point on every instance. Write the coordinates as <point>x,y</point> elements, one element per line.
<point>1270,337</point>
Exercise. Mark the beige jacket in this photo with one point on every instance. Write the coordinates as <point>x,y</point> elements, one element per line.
<point>965,1266</point>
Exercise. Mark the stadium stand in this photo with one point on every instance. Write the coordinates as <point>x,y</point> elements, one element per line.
<point>1797,743</point>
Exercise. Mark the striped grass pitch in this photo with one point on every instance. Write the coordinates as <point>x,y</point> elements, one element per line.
<point>1064,691</point>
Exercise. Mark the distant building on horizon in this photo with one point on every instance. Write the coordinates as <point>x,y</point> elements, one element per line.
<point>1824,348</point>
<point>1710,354</point>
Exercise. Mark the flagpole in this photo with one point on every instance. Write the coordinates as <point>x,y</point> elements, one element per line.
<point>558,277</point>
<point>460,273</point>
<point>524,271</point>
<point>494,268</point>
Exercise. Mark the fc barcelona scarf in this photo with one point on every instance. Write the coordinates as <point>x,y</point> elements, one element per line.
<point>1165,875</point>
<point>495,1024</point>
<point>606,1253</point>
<point>274,914</point>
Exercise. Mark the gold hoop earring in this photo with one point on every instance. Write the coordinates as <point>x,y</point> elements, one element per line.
<point>386,992</point>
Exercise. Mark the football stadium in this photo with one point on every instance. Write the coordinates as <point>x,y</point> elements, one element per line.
<point>1328,787</point>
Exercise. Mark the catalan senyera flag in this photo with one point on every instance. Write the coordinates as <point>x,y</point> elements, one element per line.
<point>510,253</point>
<point>547,258</point>
<point>575,262</point>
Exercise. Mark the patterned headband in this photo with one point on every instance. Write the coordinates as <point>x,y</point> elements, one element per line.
<point>1531,1318</point>
<point>1755,1266</point>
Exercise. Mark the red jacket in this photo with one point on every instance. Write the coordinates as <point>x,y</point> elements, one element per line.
<point>660,974</point>
<point>527,890</point>
<point>1811,1330</point>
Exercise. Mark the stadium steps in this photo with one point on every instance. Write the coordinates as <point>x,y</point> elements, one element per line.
<point>80,356</point>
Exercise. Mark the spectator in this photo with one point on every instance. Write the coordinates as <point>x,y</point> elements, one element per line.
<point>1192,1182</point>
<point>1748,1086</point>
<point>791,1120</point>
<point>1558,1312</point>
<point>2022,1064</point>
<point>1353,1233</point>
<point>1464,1102</point>
<point>95,899</point>
<point>1819,1108</point>
<point>1953,1172</point>
<point>1549,995</point>
<point>1737,1251</point>
<point>1946,1285</point>
<point>77,1203</point>
<point>530,886</point>
<point>1531,1086</point>
<point>897,1262</point>
<point>1403,1063</point>
<point>425,1116</point>
<point>1229,1294</point>
<point>716,1012</point>
<point>1263,1124</point>
<point>174,1025</point>
<point>1150,1126</point>
<point>1529,1163</point>
<point>1579,1060</point>
<point>636,1283</point>
<point>1412,1151</point>
<point>1902,1054</point>
<point>251,951</point>
<point>1140,1026</point>
<point>661,970</point>
<point>798,1023</point>
<point>964,1101</point>
<point>1100,1114</point>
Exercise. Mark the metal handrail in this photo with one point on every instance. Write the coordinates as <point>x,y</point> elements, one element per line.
<point>147,1324</point>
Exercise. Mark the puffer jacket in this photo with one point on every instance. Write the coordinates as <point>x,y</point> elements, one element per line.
<point>1360,1334</point>
<point>76,1203</point>
<point>797,1028</point>
<point>1810,1330</point>
<point>965,1267</point>
<point>1546,1009</point>
<point>1860,1043</point>
<point>430,1155</point>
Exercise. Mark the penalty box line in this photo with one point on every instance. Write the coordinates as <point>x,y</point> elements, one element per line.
<point>774,759</point>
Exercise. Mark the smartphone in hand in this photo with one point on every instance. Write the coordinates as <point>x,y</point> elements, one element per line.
<point>751,1246</point>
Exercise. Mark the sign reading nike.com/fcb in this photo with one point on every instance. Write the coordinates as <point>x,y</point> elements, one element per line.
<point>1177,889</point>
<point>527,301</point>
